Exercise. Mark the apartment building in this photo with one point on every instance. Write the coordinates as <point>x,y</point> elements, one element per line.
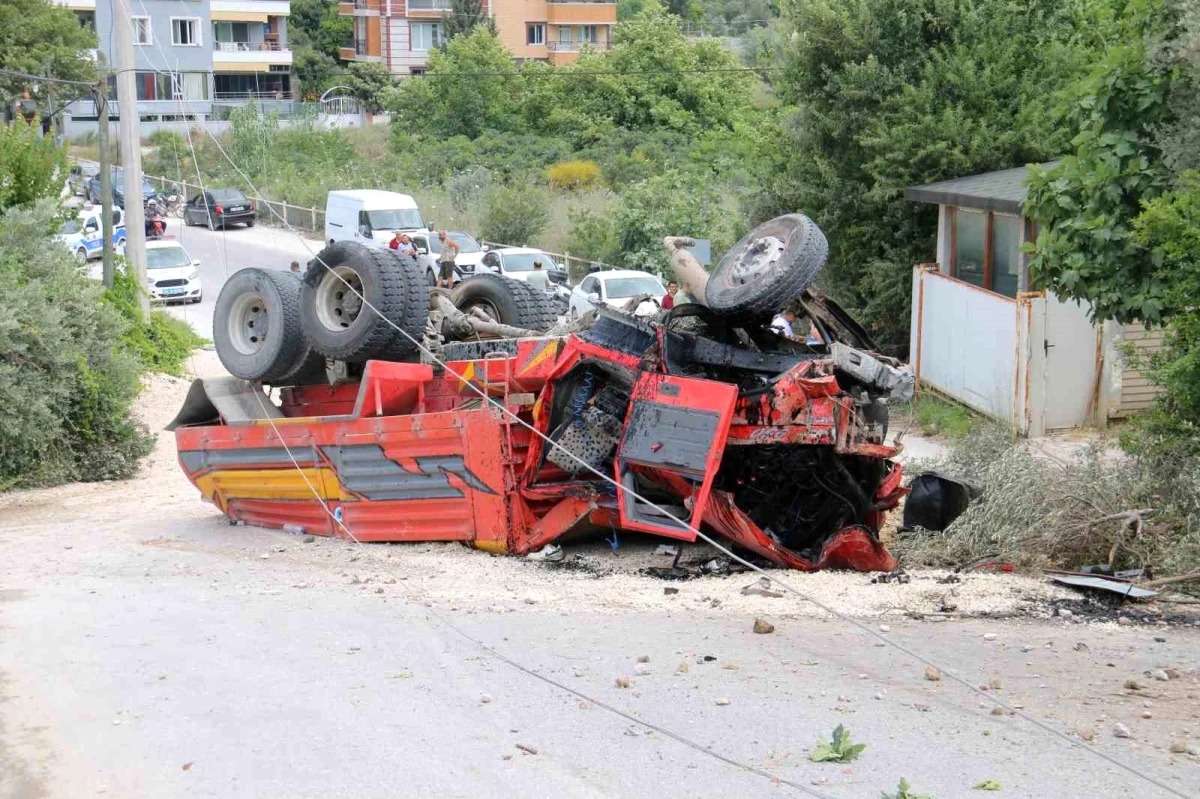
<point>222,53</point>
<point>401,33</point>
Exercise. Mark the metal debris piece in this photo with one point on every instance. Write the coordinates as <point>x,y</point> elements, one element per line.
<point>1094,582</point>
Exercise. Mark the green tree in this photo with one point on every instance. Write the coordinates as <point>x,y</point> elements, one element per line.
<point>41,38</point>
<point>464,17</point>
<point>892,94</point>
<point>371,84</point>
<point>514,215</point>
<point>470,86</point>
<point>316,34</point>
<point>32,166</point>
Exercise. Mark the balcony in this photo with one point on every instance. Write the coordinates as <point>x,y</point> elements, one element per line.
<point>428,8</point>
<point>259,56</point>
<point>575,47</point>
<point>247,47</point>
<point>358,8</point>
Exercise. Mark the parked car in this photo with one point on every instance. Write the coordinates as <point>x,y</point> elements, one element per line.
<point>79,175</point>
<point>470,253</point>
<point>219,208</point>
<point>615,288</point>
<point>517,263</point>
<point>84,234</point>
<point>171,274</point>
<point>371,216</point>
<point>118,189</point>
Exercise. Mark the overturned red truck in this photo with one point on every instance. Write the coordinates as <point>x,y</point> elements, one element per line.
<point>702,413</point>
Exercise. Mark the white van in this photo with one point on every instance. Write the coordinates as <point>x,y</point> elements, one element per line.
<point>370,216</point>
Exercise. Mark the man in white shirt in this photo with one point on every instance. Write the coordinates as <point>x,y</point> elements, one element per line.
<point>538,277</point>
<point>782,323</point>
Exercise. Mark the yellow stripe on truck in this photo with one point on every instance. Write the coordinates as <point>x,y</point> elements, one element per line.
<point>281,484</point>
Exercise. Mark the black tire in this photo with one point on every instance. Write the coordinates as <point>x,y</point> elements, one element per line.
<point>430,278</point>
<point>250,223</point>
<point>768,268</point>
<point>340,325</point>
<point>256,325</point>
<point>508,301</point>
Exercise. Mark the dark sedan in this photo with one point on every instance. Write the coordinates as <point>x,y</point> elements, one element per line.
<point>118,189</point>
<point>219,208</point>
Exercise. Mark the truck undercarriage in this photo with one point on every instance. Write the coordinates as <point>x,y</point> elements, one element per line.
<point>696,420</point>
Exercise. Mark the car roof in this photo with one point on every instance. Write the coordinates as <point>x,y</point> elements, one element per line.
<point>376,199</point>
<point>163,244</point>
<point>612,274</point>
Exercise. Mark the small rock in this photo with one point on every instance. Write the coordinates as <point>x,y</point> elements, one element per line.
<point>1133,685</point>
<point>530,600</point>
<point>921,706</point>
<point>1124,621</point>
<point>1066,614</point>
<point>997,711</point>
<point>722,701</point>
<point>506,757</point>
<point>643,658</point>
<point>1121,731</point>
<point>1158,639</point>
<point>486,699</point>
<point>844,699</point>
<point>994,683</point>
<point>1160,675</point>
<point>932,674</point>
<point>264,555</point>
<point>1171,673</point>
<point>682,668</point>
<point>1027,648</point>
<point>1086,733</point>
<point>1080,647</point>
<point>879,695</point>
<point>308,539</point>
<point>989,636</point>
<point>1146,714</point>
<point>300,585</point>
<point>670,591</point>
<point>1179,747</point>
<point>623,681</point>
<point>355,648</point>
<point>578,672</point>
<point>763,627</point>
<point>641,669</point>
<point>390,580</point>
<point>883,628</point>
<point>379,590</point>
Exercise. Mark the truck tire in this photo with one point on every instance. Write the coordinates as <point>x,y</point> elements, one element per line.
<point>256,325</point>
<point>768,268</point>
<point>335,317</point>
<point>508,301</point>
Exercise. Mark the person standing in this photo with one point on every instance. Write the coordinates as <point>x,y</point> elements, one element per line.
<point>668,300</point>
<point>397,240</point>
<point>446,259</point>
<point>407,248</point>
<point>538,277</point>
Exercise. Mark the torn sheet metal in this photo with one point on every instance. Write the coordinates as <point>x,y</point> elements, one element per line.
<point>1096,582</point>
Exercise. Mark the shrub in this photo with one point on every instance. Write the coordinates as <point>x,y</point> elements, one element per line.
<point>32,166</point>
<point>161,344</point>
<point>591,236</point>
<point>514,215</point>
<point>468,187</point>
<point>574,175</point>
<point>66,381</point>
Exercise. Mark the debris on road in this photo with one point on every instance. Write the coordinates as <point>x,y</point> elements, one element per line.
<point>932,674</point>
<point>1093,582</point>
<point>763,627</point>
<point>1121,731</point>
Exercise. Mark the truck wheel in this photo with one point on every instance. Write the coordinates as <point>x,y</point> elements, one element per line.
<point>351,297</point>
<point>772,265</point>
<point>508,301</point>
<point>256,325</point>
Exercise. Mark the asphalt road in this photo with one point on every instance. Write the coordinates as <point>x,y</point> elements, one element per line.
<point>223,252</point>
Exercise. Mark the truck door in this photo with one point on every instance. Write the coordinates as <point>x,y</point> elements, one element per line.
<point>674,435</point>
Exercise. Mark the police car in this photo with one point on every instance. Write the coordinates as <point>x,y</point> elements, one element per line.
<point>84,234</point>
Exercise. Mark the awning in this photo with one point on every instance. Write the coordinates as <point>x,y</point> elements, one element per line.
<point>238,16</point>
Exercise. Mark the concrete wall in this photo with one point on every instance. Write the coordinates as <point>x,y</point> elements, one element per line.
<point>198,58</point>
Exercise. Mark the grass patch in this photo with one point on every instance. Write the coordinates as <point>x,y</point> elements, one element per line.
<point>934,415</point>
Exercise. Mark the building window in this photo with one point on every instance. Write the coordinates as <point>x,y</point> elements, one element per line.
<point>87,19</point>
<point>535,34</point>
<point>426,35</point>
<point>985,250</point>
<point>231,35</point>
<point>167,86</point>
<point>185,32</point>
<point>587,34</point>
<point>141,31</point>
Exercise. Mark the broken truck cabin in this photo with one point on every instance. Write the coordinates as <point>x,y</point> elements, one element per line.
<point>700,418</point>
<point>983,334</point>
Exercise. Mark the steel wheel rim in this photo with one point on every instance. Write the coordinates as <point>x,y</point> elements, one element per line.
<point>759,259</point>
<point>249,324</point>
<point>338,298</point>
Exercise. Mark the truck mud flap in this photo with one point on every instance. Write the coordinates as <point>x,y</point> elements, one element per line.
<point>675,434</point>
<point>213,399</point>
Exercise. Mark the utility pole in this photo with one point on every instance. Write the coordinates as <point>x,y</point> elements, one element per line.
<point>106,194</point>
<point>50,104</point>
<point>131,147</point>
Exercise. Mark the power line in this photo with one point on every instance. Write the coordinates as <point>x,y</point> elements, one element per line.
<point>505,411</point>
